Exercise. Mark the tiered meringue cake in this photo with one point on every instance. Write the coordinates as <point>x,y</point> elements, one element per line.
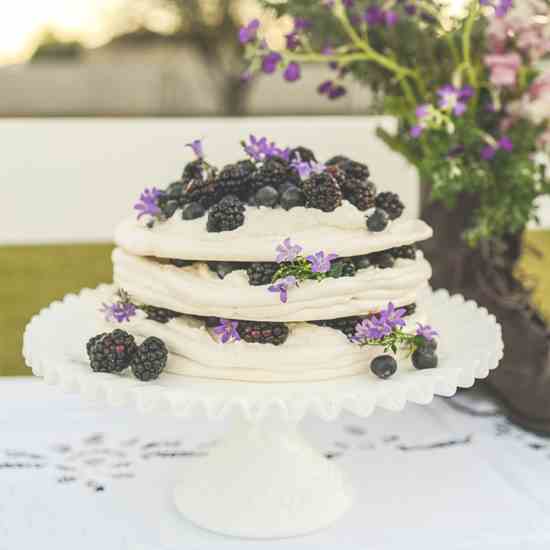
<point>188,278</point>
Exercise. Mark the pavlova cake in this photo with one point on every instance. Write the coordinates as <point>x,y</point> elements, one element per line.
<point>275,268</point>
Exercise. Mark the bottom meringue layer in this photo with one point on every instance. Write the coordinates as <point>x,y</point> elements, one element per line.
<point>310,353</point>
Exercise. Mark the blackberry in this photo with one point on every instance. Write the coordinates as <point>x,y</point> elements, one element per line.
<point>227,215</point>
<point>203,189</point>
<point>261,273</point>
<point>377,221</point>
<point>322,192</point>
<point>360,193</point>
<point>224,268</point>
<point>111,352</point>
<point>383,260</point>
<point>150,359</point>
<point>343,324</point>
<point>383,366</point>
<point>362,262</point>
<point>342,268</point>
<point>390,203</point>
<point>352,169</point>
<point>160,314</point>
<point>275,172</point>
<point>180,263</point>
<point>237,179</point>
<point>410,309</point>
<point>263,332</point>
<point>407,252</point>
<point>305,154</point>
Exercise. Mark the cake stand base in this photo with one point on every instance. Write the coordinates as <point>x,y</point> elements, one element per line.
<point>263,481</point>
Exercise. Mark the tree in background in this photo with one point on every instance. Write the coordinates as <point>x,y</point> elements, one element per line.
<point>473,112</point>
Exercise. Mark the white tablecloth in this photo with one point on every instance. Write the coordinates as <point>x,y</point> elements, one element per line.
<point>73,476</point>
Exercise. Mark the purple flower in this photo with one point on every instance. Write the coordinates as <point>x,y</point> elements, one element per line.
<point>247,33</point>
<point>119,311</point>
<point>287,252</point>
<point>292,40</point>
<point>325,87</point>
<point>410,9</point>
<point>456,151</point>
<point>391,17</point>
<point>321,263</point>
<point>282,285</point>
<point>426,331</point>
<point>270,62</point>
<point>488,152</point>
<point>148,203</point>
<point>292,72</point>
<point>392,317</point>
<point>454,99</point>
<point>196,145</point>
<point>227,330</point>
<point>422,112</point>
<point>301,24</point>
<point>374,15</point>
<point>370,329</point>
<point>336,92</point>
<point>260,149</point>
<point>246,76</point>
<point>503,7</point>
<point>305,169</point>
<point>416,130</point>
<point>331,90</point>
<point>505,143</point>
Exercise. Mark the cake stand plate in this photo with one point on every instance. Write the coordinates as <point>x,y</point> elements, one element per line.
<point>264,480</point>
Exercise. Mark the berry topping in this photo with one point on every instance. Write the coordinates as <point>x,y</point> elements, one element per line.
<point>362,262</point>
<point>168,208</point>
<point>407,252</point>
<point>424,358</point>
<point>180,263</point>
<point>150,359</point>
<point>302,153</point>
<point>262,332</point>
<point>160,314</point>
<point>192,211</point>
<point>227,215</point>
<point>237,179</point>
<point>322,191</point>
<point>111,352</point>
<point>224,268</point>
<point>383,366</point>
<point>383,260</point>
<point>390,203</point>
<point>377,221</point>
<point>360,193</point>
<point>275,172</point>
<point>267,196</point>
<point>292,196</point>
<point>261,273</point>
<point>352,169</point>
<point>342,268</point>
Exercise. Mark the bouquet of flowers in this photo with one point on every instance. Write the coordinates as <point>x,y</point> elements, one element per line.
<point>467,85</point>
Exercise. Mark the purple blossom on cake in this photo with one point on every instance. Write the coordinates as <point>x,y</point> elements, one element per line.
<point>227,330</point>
<point>370,329</point>
<point>119,311</point>
<point>196,146</point>
<point>426,331</point>
<point>305,169</point>
<point>259,149</point>
<point>282,286</point>
<point>392,317</point>
<point>148,203</point>
<point>247,33</point>
<point>287,252</point>
<point>321,263</point>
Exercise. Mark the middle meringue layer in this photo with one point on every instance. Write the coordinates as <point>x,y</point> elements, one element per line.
<point>197,290</point>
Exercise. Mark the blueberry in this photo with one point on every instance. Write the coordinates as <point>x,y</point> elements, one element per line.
<point>251,201</point>
<point>362,262</point>
<point>292,197</point>
<point>383,260</point>
<point>267,196</point>
<point>223,268</point>
<point>180,263</point>
<point>174,190</point>
<point>192,211</point>
<point>424,358</point>
<point>168,208</point>
<point>428,345</point>
<point>383,366</point>
<point>378,220</point>
<point>284,186</point>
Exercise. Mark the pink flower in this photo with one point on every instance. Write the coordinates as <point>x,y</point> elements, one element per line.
<point>504,68</point>
<point>538,109</point>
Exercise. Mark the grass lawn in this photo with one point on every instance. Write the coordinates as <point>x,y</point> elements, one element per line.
<point>33,276</point>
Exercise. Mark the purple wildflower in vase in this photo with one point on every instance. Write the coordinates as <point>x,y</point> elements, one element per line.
<point>292,72</point>
<point>292,40</point>
<point>503,7</point>
<point>148,203</point>
<point>505,143</point>
<point>426,331</point>
<point>196,146</point>
<point>282,286</point>
<point>391,18</point>
<point>246,76</point>
<point>119,311</point>
<point>336,92</point>
<point>410,9</point>
<point>422,113</point>
<point>456,151</point>
<point>488,152</point>
<point>287,252</point>
<point>325,87</point>
<point>321,263</point>
<point>374,15</point>
<point>248,32</point>
<point>454,99</point>
<point>227,330</point>
<point>301,24</point>
<point>392,316</point>
<point>270,62</point>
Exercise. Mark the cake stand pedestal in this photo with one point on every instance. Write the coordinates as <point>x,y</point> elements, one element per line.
<point>264,480</point>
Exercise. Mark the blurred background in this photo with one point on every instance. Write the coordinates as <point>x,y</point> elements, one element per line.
<point>98,98</point>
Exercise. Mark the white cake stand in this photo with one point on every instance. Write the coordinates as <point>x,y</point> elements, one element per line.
<point>264,480</point>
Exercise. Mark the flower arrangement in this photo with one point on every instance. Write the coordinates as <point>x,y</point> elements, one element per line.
<point>295,268</point>
<point>472,101</point>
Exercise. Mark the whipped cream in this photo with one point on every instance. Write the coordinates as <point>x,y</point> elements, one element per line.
<point>198,290</point>
<point>342,231</point>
